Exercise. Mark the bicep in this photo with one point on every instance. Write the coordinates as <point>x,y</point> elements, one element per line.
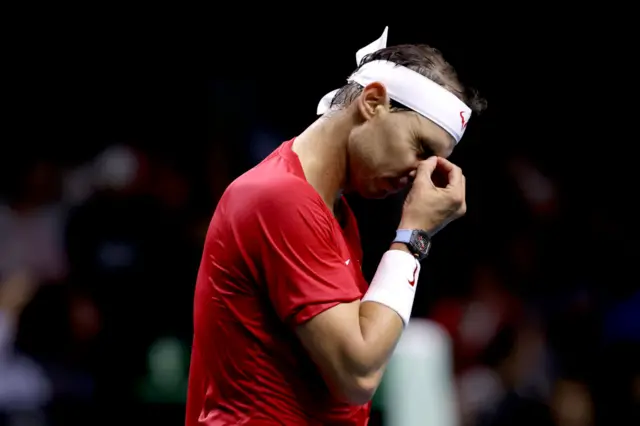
<point>332,339</point>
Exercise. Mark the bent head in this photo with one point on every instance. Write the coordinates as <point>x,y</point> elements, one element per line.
<point>389,141</point>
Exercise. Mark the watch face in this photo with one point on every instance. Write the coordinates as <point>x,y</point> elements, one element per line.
<point>421,243</point>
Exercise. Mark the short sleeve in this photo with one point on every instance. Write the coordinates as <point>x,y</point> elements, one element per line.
<point>305,271</point>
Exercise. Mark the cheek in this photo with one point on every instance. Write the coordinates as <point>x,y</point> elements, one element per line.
<point>398,156</point>
<point>377,150</point>
<point>363,147</point>
<point>394,147</point>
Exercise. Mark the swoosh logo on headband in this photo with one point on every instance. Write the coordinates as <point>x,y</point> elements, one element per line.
<point>464,121</point>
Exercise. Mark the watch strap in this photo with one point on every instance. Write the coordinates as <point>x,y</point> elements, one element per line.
<point>403,236</point>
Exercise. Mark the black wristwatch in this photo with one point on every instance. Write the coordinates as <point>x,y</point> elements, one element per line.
<point>417,241</point>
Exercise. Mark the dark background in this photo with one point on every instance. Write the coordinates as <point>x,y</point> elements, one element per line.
<point>548,247</point>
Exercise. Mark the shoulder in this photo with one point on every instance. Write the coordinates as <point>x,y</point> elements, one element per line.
<point>281,194</point>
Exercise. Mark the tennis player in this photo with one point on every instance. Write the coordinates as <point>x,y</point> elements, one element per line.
<point>287,331</point>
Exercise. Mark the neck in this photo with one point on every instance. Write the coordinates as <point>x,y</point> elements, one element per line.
<point>322,149</point>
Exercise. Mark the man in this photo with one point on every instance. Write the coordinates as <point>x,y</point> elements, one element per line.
<point>287,331</point>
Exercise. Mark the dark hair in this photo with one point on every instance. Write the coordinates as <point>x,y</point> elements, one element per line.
<point>422,59</point>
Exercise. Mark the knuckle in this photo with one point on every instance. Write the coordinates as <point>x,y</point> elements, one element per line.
<point>457,199</point>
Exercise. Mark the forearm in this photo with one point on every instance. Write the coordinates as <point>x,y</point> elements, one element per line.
<point>380,327</point>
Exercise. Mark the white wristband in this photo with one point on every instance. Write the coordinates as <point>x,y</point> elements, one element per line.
<point>394,284</point>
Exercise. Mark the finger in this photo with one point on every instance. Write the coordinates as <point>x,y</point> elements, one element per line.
<point>426,167</point>
<point>445,165</point>
<point>453,172</point>
<point>463,207</point>
<point>456,178</point>
<point>463,194</point>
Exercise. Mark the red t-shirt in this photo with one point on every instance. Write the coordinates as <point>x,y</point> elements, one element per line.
<point>274,257</point>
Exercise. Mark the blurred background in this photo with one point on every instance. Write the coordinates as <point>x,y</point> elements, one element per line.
<point>121,143</point>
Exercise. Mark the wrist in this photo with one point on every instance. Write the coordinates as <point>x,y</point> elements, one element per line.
<point>431,230</point>
<point>422,225</point>
<point>394,283</point>
<point>416,241</point>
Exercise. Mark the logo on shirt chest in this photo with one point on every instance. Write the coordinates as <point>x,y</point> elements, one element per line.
<point>356,263</point>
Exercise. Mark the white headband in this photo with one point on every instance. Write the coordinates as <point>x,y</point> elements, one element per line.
<point>411,89</point>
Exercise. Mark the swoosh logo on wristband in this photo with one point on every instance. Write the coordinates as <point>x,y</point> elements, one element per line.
<point>413,281</point>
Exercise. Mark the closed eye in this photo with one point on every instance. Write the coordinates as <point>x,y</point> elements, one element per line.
<point>424,150</point>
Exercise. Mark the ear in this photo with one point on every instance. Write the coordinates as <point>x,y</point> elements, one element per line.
<point>373,97</point>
